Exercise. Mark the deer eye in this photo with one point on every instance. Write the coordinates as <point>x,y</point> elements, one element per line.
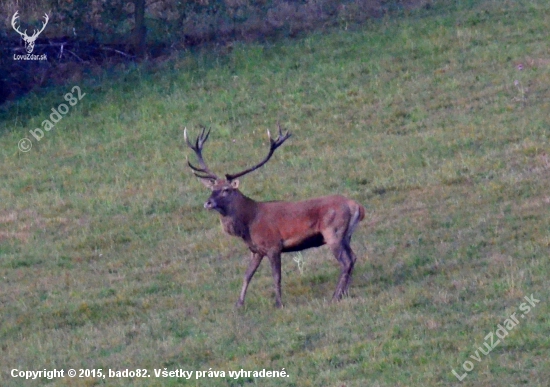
<point>225,191</point>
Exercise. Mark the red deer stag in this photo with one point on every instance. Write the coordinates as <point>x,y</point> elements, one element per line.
<point>272,228</point>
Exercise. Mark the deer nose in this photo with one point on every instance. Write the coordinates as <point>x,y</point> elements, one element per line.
<point>209,205</point>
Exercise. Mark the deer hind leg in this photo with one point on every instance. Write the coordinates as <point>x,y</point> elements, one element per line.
<point>275,259</point>
<point>346,266</point>
<point>335,239</point>
<point>346,243</point>
<point>255,261</point>
<point>352,258</point>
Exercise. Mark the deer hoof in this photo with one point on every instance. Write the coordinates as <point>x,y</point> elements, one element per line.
<point>336,298</point>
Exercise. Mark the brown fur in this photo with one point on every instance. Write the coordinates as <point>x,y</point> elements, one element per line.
<point>272,228</point>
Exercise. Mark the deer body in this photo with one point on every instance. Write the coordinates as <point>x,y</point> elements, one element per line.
<point>272,228</point>
<point>292,226</point>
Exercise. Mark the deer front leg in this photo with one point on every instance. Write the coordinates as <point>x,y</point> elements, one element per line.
<point>275,259</point>
<point>255,260</point>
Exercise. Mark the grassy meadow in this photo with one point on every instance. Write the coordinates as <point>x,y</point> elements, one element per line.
<point>436,121</point>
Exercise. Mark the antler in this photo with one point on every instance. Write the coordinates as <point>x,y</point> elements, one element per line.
<point>274,145</point>
<point>13,20</point>
<point>24,34</point>
<point>36,33</point>
<point>203,172</point>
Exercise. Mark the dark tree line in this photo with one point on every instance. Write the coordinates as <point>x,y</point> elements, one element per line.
<point>92,32</point>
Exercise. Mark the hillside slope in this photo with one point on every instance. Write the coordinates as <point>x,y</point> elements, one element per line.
<point>436,122</point>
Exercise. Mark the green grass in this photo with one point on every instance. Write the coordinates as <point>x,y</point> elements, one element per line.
<point>108,259</point>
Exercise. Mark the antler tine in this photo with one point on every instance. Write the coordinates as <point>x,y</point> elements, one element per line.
<point>46,18</point>
<point>203,137</point>
<point>280,138</point>
<point>274,144</point>
<point>203,172</point>
<point>13,20</point>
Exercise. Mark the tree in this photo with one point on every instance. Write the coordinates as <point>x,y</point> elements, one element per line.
<point>140,30</point>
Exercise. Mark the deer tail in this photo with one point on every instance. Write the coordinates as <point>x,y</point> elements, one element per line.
<point>357,215</point>
<point>361,212</point>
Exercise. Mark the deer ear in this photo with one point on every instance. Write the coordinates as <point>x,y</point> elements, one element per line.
<point>208,183</point>
<point>235,184</point>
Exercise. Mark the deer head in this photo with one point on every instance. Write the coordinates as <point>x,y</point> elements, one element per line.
<point>225,190</point>
<point>29,40</point>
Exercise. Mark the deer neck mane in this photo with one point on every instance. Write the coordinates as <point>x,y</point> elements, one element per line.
<point>238,216</point>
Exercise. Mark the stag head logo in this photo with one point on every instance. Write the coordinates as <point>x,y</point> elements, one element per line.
<point>29,40</point>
